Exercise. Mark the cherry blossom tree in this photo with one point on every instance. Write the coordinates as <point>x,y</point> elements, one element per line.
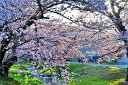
<point>109,19</point>
<point>115,11</point>
<point>23,33</point>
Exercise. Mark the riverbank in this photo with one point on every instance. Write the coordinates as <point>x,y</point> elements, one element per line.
<point>97,75</point>
<point>84,75</point>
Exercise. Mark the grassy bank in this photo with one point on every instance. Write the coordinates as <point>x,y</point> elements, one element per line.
<point>84,75</point>
<point>20,74</point>
<point>96,75</point>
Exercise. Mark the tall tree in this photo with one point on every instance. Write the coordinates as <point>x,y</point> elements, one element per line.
<point>21,29</point>
<point>109,14</point>
<point>23,33</point>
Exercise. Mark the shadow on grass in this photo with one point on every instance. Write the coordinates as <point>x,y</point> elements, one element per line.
<point>8,81</point>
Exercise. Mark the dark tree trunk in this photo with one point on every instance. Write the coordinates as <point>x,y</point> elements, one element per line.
<point>3,67</point>
<point>3,50</point>
<point>6,65</point>
<point>126,45</point>
<point>4,70</point>
<point>127,75</point>
<point>122,29</point>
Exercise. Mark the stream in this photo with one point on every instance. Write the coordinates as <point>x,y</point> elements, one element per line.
<point>45,78</point>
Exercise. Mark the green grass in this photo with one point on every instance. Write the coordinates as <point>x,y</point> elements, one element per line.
<point>20,74</point>
<point>84,75</point>
<point>111,63</point>
<point>96,75</point>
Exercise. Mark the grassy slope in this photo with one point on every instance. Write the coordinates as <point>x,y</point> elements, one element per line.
<point>18,72</point>
<point>86,75</point>
<point>93,75</point>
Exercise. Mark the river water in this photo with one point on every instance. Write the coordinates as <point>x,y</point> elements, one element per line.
<point>45,79</point>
